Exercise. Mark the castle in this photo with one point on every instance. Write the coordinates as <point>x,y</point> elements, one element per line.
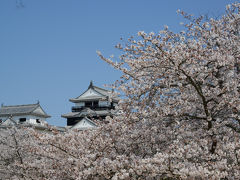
<point>90,109</point>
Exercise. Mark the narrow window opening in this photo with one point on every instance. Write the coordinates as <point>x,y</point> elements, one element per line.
<point>21,120</point>
<point>95,103</point>
<point>88,104</point>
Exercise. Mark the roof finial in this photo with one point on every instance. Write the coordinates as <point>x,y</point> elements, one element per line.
<point>38,102</point>
<point>90,85</point>
<point>2,105</point>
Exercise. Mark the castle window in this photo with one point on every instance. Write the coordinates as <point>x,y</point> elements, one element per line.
<point>95,103</point>
<point>88,104</point>
<point>21,120</point>
<point>37,120</point>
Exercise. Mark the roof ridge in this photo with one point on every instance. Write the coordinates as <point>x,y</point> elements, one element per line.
<point>20,105</point>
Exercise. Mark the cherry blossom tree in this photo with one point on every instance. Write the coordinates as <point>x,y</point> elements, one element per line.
<point>13,143</point>
<point>179,118</point>
<point>190,76</point>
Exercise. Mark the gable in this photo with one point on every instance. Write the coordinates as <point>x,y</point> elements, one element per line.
<point>84,124</point>
<point>9,122</point>
<point>39,111</point>
<point>90,93</point>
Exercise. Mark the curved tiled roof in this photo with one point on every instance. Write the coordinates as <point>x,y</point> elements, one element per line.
<point>102,94</point>
<point>88,112</point>
<point>21,110</point>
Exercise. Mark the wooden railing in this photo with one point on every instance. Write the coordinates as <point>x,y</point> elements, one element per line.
<point>80,108</point>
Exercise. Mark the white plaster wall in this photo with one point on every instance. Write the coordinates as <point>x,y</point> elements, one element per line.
<point>80,104</point>
<point>29,119</point>
<point>104,103</point>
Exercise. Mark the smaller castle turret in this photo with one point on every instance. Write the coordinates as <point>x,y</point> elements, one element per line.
<point>26,114</point>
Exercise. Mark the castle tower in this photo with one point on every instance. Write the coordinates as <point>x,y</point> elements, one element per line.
<point>94,103</point>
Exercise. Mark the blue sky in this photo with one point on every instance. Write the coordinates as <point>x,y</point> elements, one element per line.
<point>48,47</point>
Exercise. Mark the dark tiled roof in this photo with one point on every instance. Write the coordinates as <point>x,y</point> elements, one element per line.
<point>103,94</point>
<point>20,109</point>
<point>88,112</point>
<point>71,114</point>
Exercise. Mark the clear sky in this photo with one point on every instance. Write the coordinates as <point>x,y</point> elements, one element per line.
<point>48,47</point>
